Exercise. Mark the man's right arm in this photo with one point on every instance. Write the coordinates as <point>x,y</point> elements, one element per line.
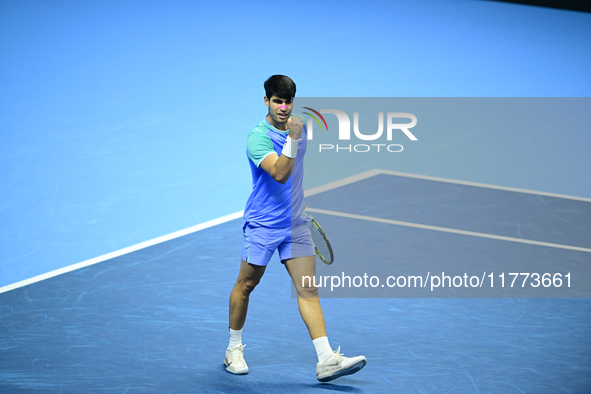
<point>280,167</point>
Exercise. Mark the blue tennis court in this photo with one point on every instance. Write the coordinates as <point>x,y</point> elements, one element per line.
<point>155,319</point>
<point>122,168</point>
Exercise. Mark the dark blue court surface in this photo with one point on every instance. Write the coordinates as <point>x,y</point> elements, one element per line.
<point>155,320</point>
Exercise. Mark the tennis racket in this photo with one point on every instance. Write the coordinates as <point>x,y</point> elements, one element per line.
<point>321,245</point>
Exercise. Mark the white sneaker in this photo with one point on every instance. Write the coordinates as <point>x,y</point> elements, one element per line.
<point>337,366</point>
<point>234,360</point>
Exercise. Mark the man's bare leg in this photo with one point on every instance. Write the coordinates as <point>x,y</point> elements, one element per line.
<point>308,301</point>
<point>249,276</point>
<point>331,365</point>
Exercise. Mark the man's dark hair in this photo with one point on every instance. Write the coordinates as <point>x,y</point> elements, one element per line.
<point>280,86</point>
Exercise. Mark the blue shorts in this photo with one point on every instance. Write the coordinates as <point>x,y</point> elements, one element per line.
<point>259,243</point>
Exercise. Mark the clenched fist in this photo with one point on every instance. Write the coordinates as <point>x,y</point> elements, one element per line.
<point>295,126</point>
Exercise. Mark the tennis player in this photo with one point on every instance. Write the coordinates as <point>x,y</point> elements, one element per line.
<point>274,219</point>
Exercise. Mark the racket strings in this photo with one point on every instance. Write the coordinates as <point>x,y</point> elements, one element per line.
<point>319,241</point>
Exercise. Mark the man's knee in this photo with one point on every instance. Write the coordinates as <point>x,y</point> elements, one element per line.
<point>250,284</point>
<point>307,291</point>
<point>247,285</point>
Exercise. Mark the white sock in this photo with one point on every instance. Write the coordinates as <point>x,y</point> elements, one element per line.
<point>235,338</point>
<point>323,349</point>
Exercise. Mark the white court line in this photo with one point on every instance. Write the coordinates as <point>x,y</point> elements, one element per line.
<point>446,230</point>
<point>374,172</point>
<point>510,189</point>
<point>123,251</point>
<point>342,182</point>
